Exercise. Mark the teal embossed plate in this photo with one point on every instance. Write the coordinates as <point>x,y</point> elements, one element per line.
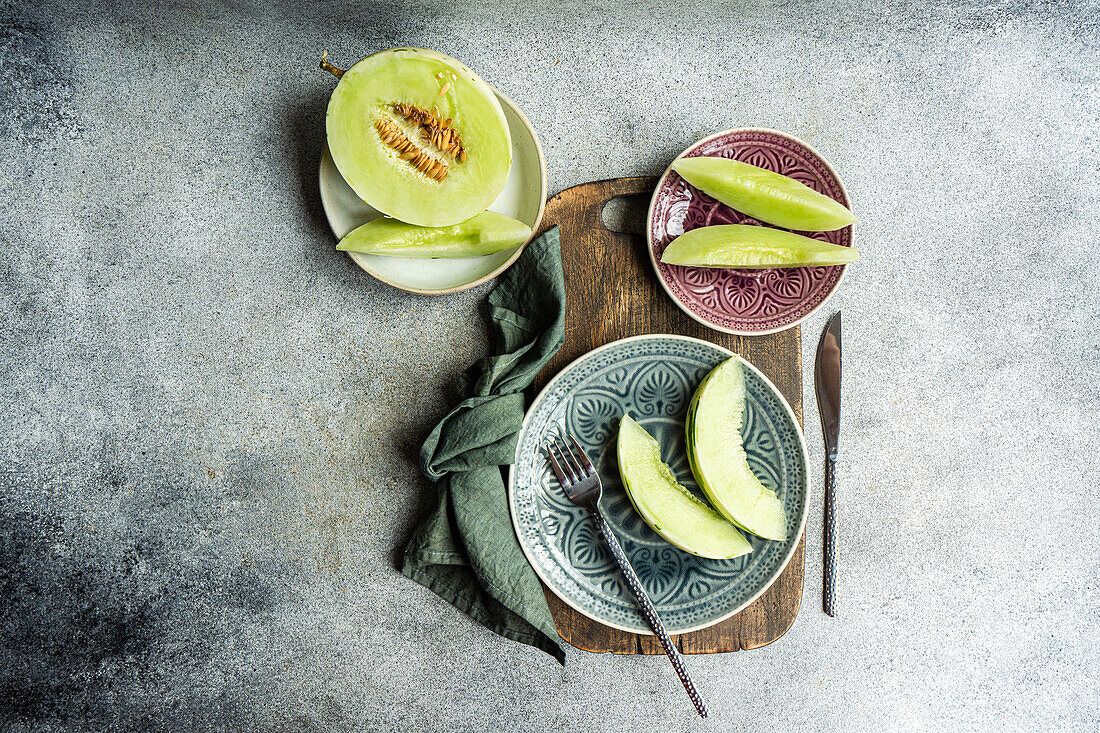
<point>653,379</point>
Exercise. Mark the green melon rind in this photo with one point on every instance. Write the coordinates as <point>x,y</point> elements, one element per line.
<point>761,512</point>
<point>484,234</point>
<point>390,185</point>
<point>753,247</point>
<point>763,194</point>
<point>683,520</point>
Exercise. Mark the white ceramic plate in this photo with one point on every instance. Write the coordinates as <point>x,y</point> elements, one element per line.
<point>523,198</point>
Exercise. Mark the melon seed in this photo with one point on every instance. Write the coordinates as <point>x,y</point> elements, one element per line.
<point>391,135</point>
<point>438,133</point>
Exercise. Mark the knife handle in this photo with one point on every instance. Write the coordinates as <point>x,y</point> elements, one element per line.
<point>829,553</point>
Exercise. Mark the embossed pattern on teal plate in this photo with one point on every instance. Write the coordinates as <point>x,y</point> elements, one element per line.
<point>652,378</point>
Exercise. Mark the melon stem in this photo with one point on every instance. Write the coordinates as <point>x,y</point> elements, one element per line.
<point>334,70</point>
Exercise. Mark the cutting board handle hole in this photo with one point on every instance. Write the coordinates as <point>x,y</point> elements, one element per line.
<point>626,214</point>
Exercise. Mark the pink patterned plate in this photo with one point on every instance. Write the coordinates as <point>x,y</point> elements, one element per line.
<point>746,302</point>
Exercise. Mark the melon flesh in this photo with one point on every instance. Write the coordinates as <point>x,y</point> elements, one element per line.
<point>764,194</point>
<point>718,458</point>
<point>752,247</point>
<point>484,234</point>
<point>668,507</point>
<point>429,81</point>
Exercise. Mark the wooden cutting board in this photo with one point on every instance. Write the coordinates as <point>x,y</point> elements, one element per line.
<point>611,293</point>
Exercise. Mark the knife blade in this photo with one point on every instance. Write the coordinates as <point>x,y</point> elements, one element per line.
<point>827,386</point>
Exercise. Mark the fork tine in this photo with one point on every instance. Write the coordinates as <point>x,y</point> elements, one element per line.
<point>557,467</point>
<point>575,469</point>
<point>578,468</point>
<point>570,475</point>
<point>589,468</point>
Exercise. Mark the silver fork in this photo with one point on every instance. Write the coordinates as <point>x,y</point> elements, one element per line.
<point>581,483</point>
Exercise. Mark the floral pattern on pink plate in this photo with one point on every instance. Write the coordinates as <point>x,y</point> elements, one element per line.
<point>747,302</point>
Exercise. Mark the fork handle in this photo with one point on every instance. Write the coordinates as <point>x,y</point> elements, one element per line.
<point>650,613</point>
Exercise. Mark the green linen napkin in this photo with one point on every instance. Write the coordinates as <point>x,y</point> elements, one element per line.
<point>466,551</point>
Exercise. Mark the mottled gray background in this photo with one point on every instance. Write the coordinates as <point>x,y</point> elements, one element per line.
<point>210,418</point>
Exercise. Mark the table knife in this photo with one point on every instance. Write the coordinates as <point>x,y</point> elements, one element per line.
<point>827,386</point>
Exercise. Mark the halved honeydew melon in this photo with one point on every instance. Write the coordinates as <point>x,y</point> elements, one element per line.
<point>484,234</point>
<point>752,247</point>
<point>418,136</point>
<point>764,194</point>
<point>718,459</point>
<point>668,507</point>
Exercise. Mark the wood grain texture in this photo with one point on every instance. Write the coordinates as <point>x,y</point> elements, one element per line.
<point>612,292</point>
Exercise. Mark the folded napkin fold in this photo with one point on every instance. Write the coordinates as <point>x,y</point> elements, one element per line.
<point>466,551</point>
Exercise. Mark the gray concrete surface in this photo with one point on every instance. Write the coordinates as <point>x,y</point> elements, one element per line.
<point>210,417</point>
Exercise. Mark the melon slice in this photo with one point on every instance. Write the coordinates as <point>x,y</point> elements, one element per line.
<point>419,136</point>
<point>484,234</point>
<point>718,458</point>
<point>668,507</point>
<point>752,247</point>
<point>763,194</point>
